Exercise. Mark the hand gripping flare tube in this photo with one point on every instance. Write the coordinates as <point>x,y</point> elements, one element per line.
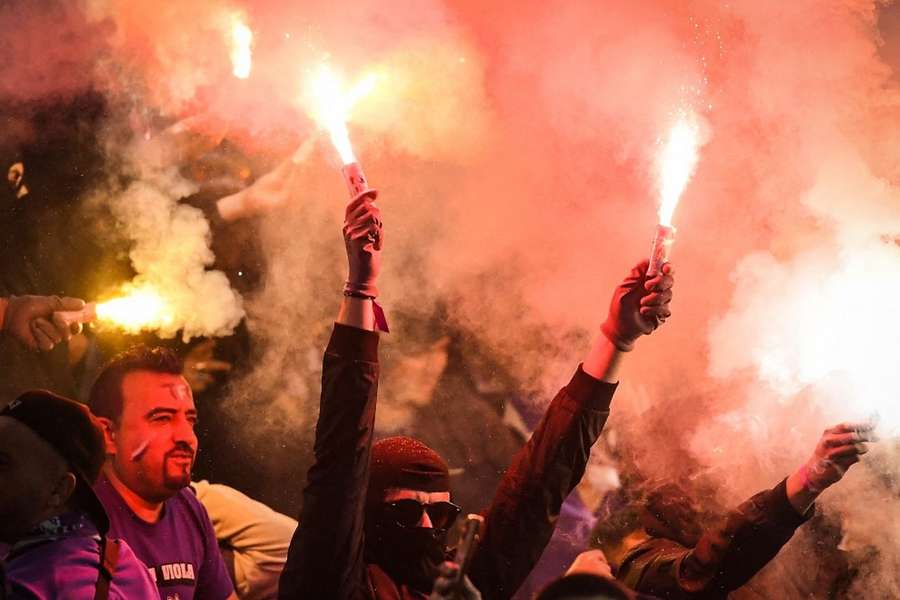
<point>660,248</point>
<point>70,318</point>
<point>356,181</point>
<point>358,186</point>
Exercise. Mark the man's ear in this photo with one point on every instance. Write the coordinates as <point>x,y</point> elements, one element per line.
<point>109,434</point>
<point>64,489</point>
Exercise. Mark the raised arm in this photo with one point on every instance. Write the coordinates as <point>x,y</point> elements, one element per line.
<point>522,517</point>
<point>727,556</point>
<point>325,559</point>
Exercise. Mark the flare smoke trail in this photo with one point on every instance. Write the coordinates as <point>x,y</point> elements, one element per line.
<point>170,253</point>
<point>513,147</point>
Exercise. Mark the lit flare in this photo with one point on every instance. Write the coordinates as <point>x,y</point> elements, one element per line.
<point>331,105</point>
<point>140,309</point>
<point>676,163</point>
<point>241,48</point>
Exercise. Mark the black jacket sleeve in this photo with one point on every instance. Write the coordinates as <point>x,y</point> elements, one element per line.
<point>521,519</point>
<point>325,559</point>
<point>724,559</point>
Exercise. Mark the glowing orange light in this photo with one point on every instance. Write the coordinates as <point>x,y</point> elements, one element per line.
<point>330,104</point>
<point>676,163</point>
<point>241,48</point>
<point>139,309</point>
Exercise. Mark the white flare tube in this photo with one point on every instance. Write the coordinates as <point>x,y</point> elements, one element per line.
<point>660,249</point>
<point>69,318</point>
<point>356,181</point>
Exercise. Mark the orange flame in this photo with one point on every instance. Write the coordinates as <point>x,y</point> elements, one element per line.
<point>139,309</point>
<point>330,105</point>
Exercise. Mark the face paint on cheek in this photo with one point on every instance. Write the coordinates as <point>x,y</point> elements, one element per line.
<point>139,451</point>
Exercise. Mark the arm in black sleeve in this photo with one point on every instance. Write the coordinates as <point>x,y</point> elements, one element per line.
<point>724,559</point>
<point>521,519</point>
<point>325,559</point>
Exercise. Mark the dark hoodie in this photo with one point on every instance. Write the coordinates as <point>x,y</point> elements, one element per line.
<point>327,556</point>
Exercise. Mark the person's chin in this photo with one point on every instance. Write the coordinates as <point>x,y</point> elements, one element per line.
<point>177,479</point>
<point>177,483</point>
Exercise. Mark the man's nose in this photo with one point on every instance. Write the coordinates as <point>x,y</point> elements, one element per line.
<point>425,521</point>
<point>184,432</point>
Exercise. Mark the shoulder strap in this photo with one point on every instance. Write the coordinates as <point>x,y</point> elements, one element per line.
<point>109,556</point>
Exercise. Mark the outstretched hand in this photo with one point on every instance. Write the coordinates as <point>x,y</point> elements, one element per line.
<point>839,448</point>
<point>593,562</point>
<point>448,587</point>
<point>29,319</point>
<point>639,305</point>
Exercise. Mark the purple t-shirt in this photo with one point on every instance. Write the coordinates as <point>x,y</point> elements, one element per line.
<point>66,564</point>
<point>180,549</point>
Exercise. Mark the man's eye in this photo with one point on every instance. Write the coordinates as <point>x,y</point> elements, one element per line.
<point>161,419</point>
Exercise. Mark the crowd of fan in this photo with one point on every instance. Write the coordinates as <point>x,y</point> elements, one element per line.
<point>97,498</point>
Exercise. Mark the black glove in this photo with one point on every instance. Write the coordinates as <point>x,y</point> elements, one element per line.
<point>363,238</point>
<point>639,306</point>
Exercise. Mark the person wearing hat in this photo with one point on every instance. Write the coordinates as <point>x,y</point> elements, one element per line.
<point>375,518</point>
<point>51,452</point>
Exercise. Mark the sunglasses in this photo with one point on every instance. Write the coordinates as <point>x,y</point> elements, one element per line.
<point>408,513</point>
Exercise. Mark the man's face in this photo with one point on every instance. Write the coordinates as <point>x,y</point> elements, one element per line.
<point>29,473</point>
<point>154,444</point>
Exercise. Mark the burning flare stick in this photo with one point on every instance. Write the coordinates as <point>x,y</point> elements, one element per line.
<point>675,163</point>
<point>139,310</point>
<point>241,48</point>
<point>331,109</point>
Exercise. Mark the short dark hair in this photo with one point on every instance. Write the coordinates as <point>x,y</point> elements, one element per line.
<point>106,393</point>
<point>579,585</point>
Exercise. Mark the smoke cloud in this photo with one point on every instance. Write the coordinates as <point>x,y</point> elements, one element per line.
<point>170,252</point>
<point>514,147</point>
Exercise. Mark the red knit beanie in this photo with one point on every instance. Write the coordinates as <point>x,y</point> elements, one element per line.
<point>402,462</point>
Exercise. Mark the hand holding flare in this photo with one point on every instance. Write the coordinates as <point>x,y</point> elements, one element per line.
<point>639,305</point>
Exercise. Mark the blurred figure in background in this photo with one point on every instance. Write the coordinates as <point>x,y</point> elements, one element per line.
<point>254,539</point>
<point>48,249</point>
